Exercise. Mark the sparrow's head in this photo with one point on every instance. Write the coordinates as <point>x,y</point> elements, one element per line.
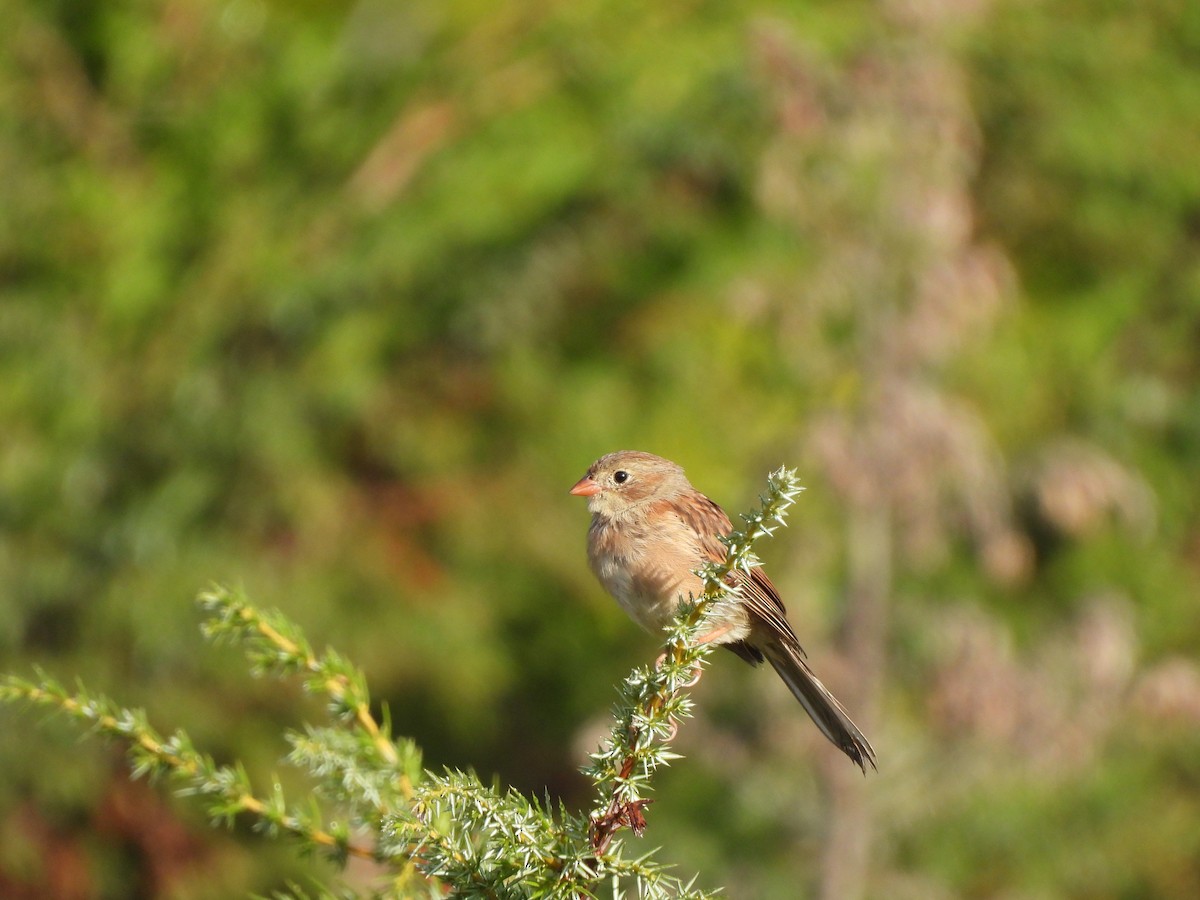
<point>620,481</point>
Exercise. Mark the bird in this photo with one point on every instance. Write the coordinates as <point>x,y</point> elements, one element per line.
<point>650,531</point>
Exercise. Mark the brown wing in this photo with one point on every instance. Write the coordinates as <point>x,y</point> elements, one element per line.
<point>761,600</point>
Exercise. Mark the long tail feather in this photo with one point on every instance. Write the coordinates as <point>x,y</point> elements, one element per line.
<point>828,714</point>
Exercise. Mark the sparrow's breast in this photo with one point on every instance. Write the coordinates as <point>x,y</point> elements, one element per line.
<point>645,575</point>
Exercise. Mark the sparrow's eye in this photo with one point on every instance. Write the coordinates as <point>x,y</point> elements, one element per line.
<point>620,476</point>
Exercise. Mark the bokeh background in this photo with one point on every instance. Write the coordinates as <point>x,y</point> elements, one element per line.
<point>335,300</point>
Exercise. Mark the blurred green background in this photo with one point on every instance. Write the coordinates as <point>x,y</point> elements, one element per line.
<point>336,300</point>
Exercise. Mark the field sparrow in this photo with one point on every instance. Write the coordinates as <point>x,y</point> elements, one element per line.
<point>650,530</point>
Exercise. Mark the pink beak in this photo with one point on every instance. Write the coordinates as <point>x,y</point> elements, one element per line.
<point>585,487</point>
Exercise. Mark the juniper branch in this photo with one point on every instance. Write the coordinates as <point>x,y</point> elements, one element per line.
<point>227,788</point>
<point>274,644</point>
